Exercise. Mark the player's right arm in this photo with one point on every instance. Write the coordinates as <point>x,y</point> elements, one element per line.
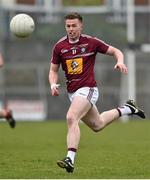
<point>53,79</point>
<point>1,60</point>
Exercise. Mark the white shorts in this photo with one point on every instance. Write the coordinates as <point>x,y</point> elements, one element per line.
<point>91,93</point>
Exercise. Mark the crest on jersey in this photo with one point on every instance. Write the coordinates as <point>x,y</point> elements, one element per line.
<point>83,49</point>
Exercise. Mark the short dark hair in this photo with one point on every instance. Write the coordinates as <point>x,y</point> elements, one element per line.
<point>74,15</point>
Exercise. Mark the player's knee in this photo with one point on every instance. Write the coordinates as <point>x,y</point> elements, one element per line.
<point>70,119</point>
<point>96,129</point>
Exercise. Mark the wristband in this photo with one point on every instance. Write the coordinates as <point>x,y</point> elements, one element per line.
<point>54,85</point>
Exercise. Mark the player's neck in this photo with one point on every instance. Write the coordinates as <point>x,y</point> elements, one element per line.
<point>73,41</point>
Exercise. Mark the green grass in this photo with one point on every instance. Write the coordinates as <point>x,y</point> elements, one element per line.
<point>122,150</point>
<point>83,3</point>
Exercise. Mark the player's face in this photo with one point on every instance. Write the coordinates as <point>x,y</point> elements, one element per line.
<point>73,28</point>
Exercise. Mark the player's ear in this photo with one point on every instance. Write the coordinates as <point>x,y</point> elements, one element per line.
<point>81,26</point>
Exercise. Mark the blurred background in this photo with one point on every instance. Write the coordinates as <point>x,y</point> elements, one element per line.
<point>24,85</point>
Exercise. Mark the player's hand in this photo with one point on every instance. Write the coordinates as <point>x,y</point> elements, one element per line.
<point>55,89</point>
<point>121,67</point>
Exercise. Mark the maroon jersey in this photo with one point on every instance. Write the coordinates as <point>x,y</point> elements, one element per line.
<point>78,59</point>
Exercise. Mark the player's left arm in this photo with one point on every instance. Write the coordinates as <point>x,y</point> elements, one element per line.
<point>119,57</point>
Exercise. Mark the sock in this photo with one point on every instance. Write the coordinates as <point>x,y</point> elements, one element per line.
<point>124,110</point>
<point>71,153</point>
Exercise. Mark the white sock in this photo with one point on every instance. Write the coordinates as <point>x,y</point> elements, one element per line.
<point>125,110</point>
<point>71,154</point>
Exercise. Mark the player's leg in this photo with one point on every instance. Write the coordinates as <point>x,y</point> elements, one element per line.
<point>81,103</point>
<point>78,108</point>
<point>7,114</point>
<point>2,113</point>
<point>98,121</point>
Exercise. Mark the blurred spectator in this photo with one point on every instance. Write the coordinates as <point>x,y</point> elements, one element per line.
<point>6,113</point>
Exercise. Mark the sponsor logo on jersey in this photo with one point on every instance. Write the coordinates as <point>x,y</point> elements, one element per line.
<point>74,66</point>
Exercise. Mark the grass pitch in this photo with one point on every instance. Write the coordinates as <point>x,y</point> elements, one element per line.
<point>122,150</point>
